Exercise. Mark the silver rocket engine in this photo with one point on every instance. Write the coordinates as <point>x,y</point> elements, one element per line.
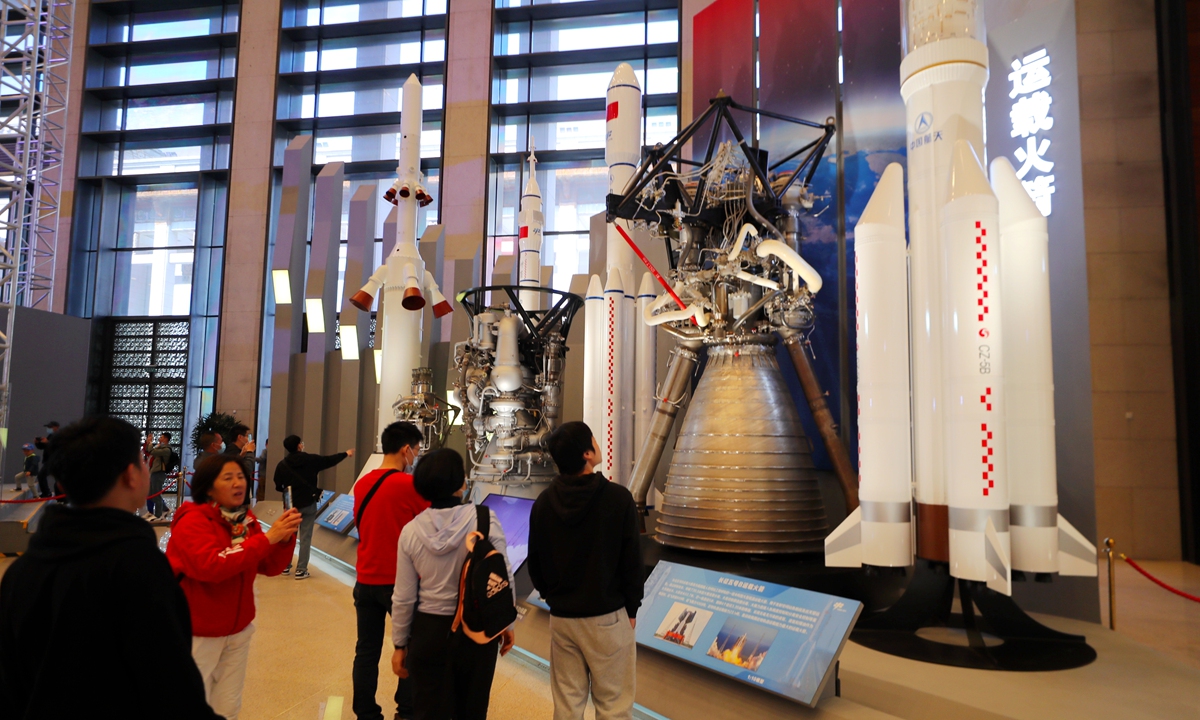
<point>510,382</point>
<point>432,415</point>
<point>742,478</point>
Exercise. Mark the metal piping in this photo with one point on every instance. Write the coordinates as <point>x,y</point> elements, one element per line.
<point>680,369</point>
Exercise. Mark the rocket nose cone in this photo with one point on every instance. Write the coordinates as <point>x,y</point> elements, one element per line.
<point>624,75</point>
<point>647,287</point>
<point>886,206</point>
<point>615,283</point>
<point>412,81</point>
<point>595,289</point>
<point>1015,204</point>
<point>966,173</point>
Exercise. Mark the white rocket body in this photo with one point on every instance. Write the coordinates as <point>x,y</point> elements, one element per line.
<point>646,363</point>
<point>613,381</point>
<point>529,241</point>
<point>942,80</point>
<point>975,424</point>
<point>884,516</point>
<point>593,357</point>
<point>622,153</point>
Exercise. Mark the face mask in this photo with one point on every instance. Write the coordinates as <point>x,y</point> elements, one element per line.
<point>222,448</point>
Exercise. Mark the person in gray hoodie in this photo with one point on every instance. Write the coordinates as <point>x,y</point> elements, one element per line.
<point>451,674</point>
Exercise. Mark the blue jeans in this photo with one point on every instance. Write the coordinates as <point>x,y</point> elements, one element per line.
<point>308,517</point>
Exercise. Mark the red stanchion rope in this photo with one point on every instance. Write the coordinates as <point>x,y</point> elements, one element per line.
<point>60,497</point>
<point>1158,582</point>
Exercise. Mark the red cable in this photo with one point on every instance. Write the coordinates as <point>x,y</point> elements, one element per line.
<point>31,500</point>
<point>1158,582</point>
<point>650,267</point>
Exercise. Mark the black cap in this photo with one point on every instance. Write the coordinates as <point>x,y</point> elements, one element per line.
<point>52,424</point>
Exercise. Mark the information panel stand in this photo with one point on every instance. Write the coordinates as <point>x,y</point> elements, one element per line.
<point>782,639</point>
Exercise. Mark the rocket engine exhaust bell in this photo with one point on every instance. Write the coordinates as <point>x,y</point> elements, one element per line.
<point>742,478</point>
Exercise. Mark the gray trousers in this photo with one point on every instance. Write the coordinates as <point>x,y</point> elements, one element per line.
<point>597,654</point>
<point>308,517</point>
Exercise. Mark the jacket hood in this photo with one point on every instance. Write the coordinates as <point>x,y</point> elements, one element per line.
<point>442,530</point>
<point>208,510</point>
<point>68,533</point>
<point>570,496</point>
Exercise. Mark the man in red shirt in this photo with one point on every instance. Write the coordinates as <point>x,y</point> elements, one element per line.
<point>384,502</point>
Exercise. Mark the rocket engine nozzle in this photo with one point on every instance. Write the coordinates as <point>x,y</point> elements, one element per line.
<point>423,197</point>
<point>362,300</point>
<point>413,298</point>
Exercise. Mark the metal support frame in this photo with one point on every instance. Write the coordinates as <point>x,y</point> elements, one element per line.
<point>35,57</point>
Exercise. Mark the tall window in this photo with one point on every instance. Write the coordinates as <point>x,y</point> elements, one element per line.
<point>553,62</point>
<point>153,176</point>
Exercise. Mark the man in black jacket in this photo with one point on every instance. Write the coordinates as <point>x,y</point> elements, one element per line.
<point>299,472</point>
<point>45,489</point>
<point>97,569</point>
<point>585,559</point>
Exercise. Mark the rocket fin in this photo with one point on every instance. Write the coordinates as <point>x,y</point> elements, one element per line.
<point>1076,555</point>
<point>999,573</point>
<point>843,546</point>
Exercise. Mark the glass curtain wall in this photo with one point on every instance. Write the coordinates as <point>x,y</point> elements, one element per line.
<point>153,174</point>
<point>553,62</point>
<point>342,64</point>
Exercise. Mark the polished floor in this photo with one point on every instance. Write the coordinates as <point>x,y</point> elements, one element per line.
<point>301,655</point>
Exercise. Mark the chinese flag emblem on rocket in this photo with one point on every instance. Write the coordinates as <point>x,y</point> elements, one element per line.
<point>612,112</point>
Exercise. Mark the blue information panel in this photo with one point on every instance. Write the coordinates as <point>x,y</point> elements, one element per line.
<point>326,496</point>
<point>781,639</point>
<point>339,515</point>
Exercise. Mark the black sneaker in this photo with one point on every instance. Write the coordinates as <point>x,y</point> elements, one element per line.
<point>302,575</point>
<point>287,570</point>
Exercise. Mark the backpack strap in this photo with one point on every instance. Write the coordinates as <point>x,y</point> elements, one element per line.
<point>483,520</point>
<point>370,494</point>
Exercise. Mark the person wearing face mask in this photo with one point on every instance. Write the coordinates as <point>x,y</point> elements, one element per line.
<point>217,549</point>
<point>392,501</point>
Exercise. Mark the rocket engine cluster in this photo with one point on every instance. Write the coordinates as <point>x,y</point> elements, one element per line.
<point>978,346</point>
<point>741,478</point>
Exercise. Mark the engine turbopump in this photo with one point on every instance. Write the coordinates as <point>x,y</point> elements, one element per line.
<point>432,415</point>
<point>510,382</point>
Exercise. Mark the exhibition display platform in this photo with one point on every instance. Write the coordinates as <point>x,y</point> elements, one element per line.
<point>1127,680</point>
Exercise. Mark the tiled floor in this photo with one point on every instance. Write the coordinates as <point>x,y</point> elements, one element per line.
<point>302,652</point>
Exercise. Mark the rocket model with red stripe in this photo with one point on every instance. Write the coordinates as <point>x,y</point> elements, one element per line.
<point>620,389</point>
<point>983,480</point>
<point>529,240</point>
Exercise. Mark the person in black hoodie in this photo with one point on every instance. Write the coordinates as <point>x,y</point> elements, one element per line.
<point>299,472</point>
<point>74,607</point>
<point>585,559</point>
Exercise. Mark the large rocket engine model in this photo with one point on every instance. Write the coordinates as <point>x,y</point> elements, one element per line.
<point>432,415</point>
<point>510,381</point>
<point>407,285</point>
<point>978,294</point>
<point>742,479</point>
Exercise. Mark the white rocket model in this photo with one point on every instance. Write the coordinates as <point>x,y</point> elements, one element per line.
<point>646,363</point>
<point>405,281</point>
<point>879,532</point>
<point>593,360</point>
<point>982,395</point>
<point>614,420</point>
<point>529,240</point>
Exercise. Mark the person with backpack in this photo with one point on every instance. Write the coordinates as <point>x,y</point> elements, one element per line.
<point>393,503</point>
<point>160,462</point>
<point>452,607</point>
<point>585,559</point>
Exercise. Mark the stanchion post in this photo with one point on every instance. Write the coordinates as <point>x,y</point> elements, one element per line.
<point>179,481</point>
<point>1109,545</point>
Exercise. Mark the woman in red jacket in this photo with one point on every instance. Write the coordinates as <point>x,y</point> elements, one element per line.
<point>216,549</point>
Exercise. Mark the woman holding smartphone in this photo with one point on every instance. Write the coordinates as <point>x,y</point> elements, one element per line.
<point>217,549</point>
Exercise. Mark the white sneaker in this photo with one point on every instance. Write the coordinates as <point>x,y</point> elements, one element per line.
<point>302,575</point>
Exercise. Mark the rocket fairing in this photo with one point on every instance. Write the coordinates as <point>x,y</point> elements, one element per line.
<point>942,75</point>
<point>973,391</point>
<point>406,284</point>
<point>883,520</point>
<point>529,241</point>
<point>1034,522</point>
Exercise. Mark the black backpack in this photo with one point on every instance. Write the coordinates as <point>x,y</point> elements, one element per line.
<point>485,594</point>
<point>173,461</point>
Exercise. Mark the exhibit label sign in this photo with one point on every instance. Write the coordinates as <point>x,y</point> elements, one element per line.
<point>339,515</point>
<point>779,638</point>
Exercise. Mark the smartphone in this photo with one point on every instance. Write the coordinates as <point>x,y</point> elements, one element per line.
<point>287,499</point>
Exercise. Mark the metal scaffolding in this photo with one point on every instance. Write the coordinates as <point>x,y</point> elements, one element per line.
<point>35,57</point>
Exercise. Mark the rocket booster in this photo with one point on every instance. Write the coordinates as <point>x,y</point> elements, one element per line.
<point>594,316</point>
<point>1034,522</point>
<point>613,381</point>
<point>406,283</point>
<point>646,363</point>
<point>975,424</point>
<point>529,241</point>
<point>885,445</point>
<point>942,75</point>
